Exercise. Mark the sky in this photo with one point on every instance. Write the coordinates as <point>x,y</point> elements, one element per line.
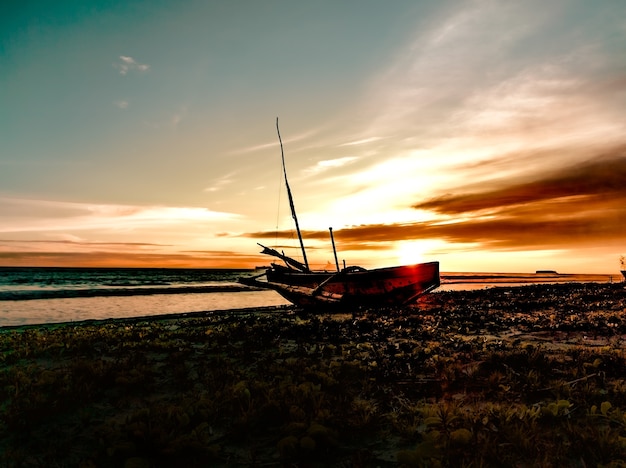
<point>487,135</point>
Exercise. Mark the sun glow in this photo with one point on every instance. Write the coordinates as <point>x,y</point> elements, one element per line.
<point>410,252</point>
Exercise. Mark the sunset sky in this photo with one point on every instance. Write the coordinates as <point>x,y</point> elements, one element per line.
<point>488,135</point>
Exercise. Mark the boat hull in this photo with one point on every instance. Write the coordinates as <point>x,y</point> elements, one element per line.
<point>380,287</point>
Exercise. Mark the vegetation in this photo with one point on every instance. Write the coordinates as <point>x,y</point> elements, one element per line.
<point>527,376</point>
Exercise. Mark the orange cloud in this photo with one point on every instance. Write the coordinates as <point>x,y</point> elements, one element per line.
<point>601,180</point>
<point>584,205</point>
<point>83,243</point>
<point>204,259</point>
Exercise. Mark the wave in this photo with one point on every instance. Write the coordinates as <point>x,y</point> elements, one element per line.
<point>23,295</point>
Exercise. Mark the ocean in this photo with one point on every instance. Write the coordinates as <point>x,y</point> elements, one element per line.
<point>30,296</point>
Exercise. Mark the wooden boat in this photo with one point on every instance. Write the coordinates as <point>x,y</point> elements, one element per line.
<point>351,286</point>
<point>354,286</point>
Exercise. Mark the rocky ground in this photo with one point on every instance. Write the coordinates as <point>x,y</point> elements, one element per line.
<point>508,376</point>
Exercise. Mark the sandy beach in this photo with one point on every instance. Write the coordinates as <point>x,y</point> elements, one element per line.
<point>506,376</point>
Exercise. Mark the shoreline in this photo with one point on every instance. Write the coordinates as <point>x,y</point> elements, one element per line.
<point>150,318</point>
<point>462,285</point>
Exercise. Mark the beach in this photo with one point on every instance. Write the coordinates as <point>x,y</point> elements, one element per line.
<point>505,376</point>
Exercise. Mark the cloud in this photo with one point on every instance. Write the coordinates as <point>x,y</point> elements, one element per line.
<point>362,141</point>
<point>494,122</point>
<point>122,104</point>
<point>323,166</point>
<point>497,75</point>
<point>127,64</point>
<point>482,234</point>
<point>170,119</point>
<point>53,233</point>
<point>580,206</point>
<point>196,259</point>
<point>80,243</point>
<point>593,184</point>
<point>289,140</point>
<point>220,183</point>
<point>22,215</point>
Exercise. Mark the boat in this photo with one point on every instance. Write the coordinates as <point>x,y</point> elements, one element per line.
<point>351,286</point>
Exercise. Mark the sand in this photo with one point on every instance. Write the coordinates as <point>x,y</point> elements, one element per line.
<point>508,376</point>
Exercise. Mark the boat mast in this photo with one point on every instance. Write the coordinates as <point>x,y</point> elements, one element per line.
<point>332,239</point>
<point>291,205</point>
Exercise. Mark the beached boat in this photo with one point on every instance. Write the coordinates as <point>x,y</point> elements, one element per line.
<point>351,286</point>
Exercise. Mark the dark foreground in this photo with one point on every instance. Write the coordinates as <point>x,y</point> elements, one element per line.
<point>527,376</point>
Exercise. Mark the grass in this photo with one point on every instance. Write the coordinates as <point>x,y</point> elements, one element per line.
<point>526,376</point>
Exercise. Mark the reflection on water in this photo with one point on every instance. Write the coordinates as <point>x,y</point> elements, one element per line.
<point>76,309</point>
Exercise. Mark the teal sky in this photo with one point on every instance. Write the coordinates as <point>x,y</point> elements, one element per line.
<point>488,135</point>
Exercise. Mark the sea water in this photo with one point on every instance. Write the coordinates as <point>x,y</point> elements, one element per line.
<point>51,295</point>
